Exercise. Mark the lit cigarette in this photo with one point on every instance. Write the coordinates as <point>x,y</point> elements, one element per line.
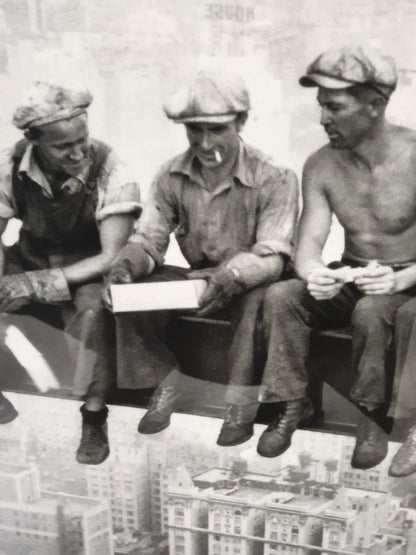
<point>218,156</point>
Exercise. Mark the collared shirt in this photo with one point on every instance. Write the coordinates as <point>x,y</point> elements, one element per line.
<point>246,222</point>
<point>118,191</point>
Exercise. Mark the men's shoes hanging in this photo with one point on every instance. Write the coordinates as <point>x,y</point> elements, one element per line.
<point>162,404</point>
<point>238,425</point>
<point>371,444</point>
<point>277,437</point>
<point>7,410</point>
<point>404,461</point>
<point>94,446</point>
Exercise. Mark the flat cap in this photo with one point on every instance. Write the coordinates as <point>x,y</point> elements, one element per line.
<point>47,102</point>
<point>209,96</point>
<point>345,67</point>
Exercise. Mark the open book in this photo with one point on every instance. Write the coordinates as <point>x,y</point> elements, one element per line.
<point>161,295</point>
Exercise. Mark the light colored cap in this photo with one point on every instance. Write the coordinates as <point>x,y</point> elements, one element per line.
<point>211,97</point>
<point>345,67</point>
<point>47,102</point>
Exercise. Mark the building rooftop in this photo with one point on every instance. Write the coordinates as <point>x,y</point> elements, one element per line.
<point>49,501</point>
<point>298,501</point>
<point>363,493</point>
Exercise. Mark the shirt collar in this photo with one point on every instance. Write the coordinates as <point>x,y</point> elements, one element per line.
<point>186,164</point>
<point>30,167</point>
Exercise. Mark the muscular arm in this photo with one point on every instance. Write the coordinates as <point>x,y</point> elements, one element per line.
<point>114,232</point>
<point>315,222</point>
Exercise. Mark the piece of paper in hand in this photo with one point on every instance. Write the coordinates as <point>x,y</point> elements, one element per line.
<point>31,359</point>
<point>161,295</point>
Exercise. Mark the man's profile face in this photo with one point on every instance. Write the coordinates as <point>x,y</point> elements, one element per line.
<point>346,119</point>
<point>214,144</point>
<point>63,145</point>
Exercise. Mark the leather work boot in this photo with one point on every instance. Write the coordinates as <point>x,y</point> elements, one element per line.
<point>277,437</point>
<point>404,461</point>
<point>238,425</point>
<point>7,410</point>
<point>93,447</point>
<point>162,404</point>
<point>371,444</point>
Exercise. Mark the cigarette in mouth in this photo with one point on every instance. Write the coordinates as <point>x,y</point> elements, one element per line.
<point>218,156</point>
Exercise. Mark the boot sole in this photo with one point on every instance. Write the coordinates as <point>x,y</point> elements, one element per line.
<point>236,442</point>
<point>401,474</point>
<point>150,432</point>
<point>85,460</point>
<point>273,454</point>
<point>367,466</point>
<point>9,417</point>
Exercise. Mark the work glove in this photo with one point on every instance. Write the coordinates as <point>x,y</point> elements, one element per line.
<point>222,286</point>
<point>42,286</point>
<point>130,265</point>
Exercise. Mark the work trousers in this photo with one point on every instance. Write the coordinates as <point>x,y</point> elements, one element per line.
<point>290,314</point>
<point>145,360</point>
<point>404,387</point>
<point>88,329</point>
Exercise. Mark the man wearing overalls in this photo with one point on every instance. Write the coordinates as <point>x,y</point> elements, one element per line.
<point>77,203</point>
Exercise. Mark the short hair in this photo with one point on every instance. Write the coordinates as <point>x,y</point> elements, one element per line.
<point>366,93</point>
<point>33,133</point>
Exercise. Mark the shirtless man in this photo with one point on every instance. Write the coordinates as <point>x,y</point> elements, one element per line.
<point>366,177</point>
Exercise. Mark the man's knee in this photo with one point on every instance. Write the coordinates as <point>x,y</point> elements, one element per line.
<point>279,296</point>
<point>371,310</point>
<point>406,314</point>
<point>88,299</point>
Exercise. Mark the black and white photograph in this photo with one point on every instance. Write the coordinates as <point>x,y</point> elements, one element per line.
<point>207,277</point>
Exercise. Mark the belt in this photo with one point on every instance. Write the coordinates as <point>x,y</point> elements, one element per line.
<point>355,264</point>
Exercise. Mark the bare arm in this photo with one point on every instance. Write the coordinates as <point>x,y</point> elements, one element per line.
<point>315,222</point>
<point>114,232</point>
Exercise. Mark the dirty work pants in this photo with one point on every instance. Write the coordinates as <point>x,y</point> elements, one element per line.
<point>143,358</point>
<point>404,387</point>
<point>88,329</point>
<point>290,314</point>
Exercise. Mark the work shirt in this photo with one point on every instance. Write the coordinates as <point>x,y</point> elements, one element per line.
<point>118,191</point>
<point>248,222</point>
<point>62,227</point>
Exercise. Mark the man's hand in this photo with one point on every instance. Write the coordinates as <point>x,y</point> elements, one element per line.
<point>377,280</point>
<point>42,286</point>
<point>121,272</point>
<point>324,283</point>
<point>222,286</point>
<point>132,264</point>
<point>16,291</point>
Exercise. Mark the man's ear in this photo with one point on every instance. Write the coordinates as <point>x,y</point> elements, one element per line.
<point>240,120</point>
<point>29,136</point>
<point>377,106</point>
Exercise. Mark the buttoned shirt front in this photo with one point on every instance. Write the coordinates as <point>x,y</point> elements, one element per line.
<point>247,221</point>
<point>118,191</point>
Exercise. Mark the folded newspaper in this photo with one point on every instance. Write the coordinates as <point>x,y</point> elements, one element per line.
<point>161,295</point>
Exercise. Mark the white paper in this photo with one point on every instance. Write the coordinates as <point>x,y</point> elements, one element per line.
<point>162,295</point>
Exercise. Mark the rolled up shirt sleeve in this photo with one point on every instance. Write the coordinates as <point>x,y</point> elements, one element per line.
<point>118,190</point>
<point>276,232</point>
<point>158,219</point>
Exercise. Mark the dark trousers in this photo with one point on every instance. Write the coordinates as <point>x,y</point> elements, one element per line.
<point>144,359</point>
<point>404,388</point>
<point>88,329</point>
<point>290,315</point>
